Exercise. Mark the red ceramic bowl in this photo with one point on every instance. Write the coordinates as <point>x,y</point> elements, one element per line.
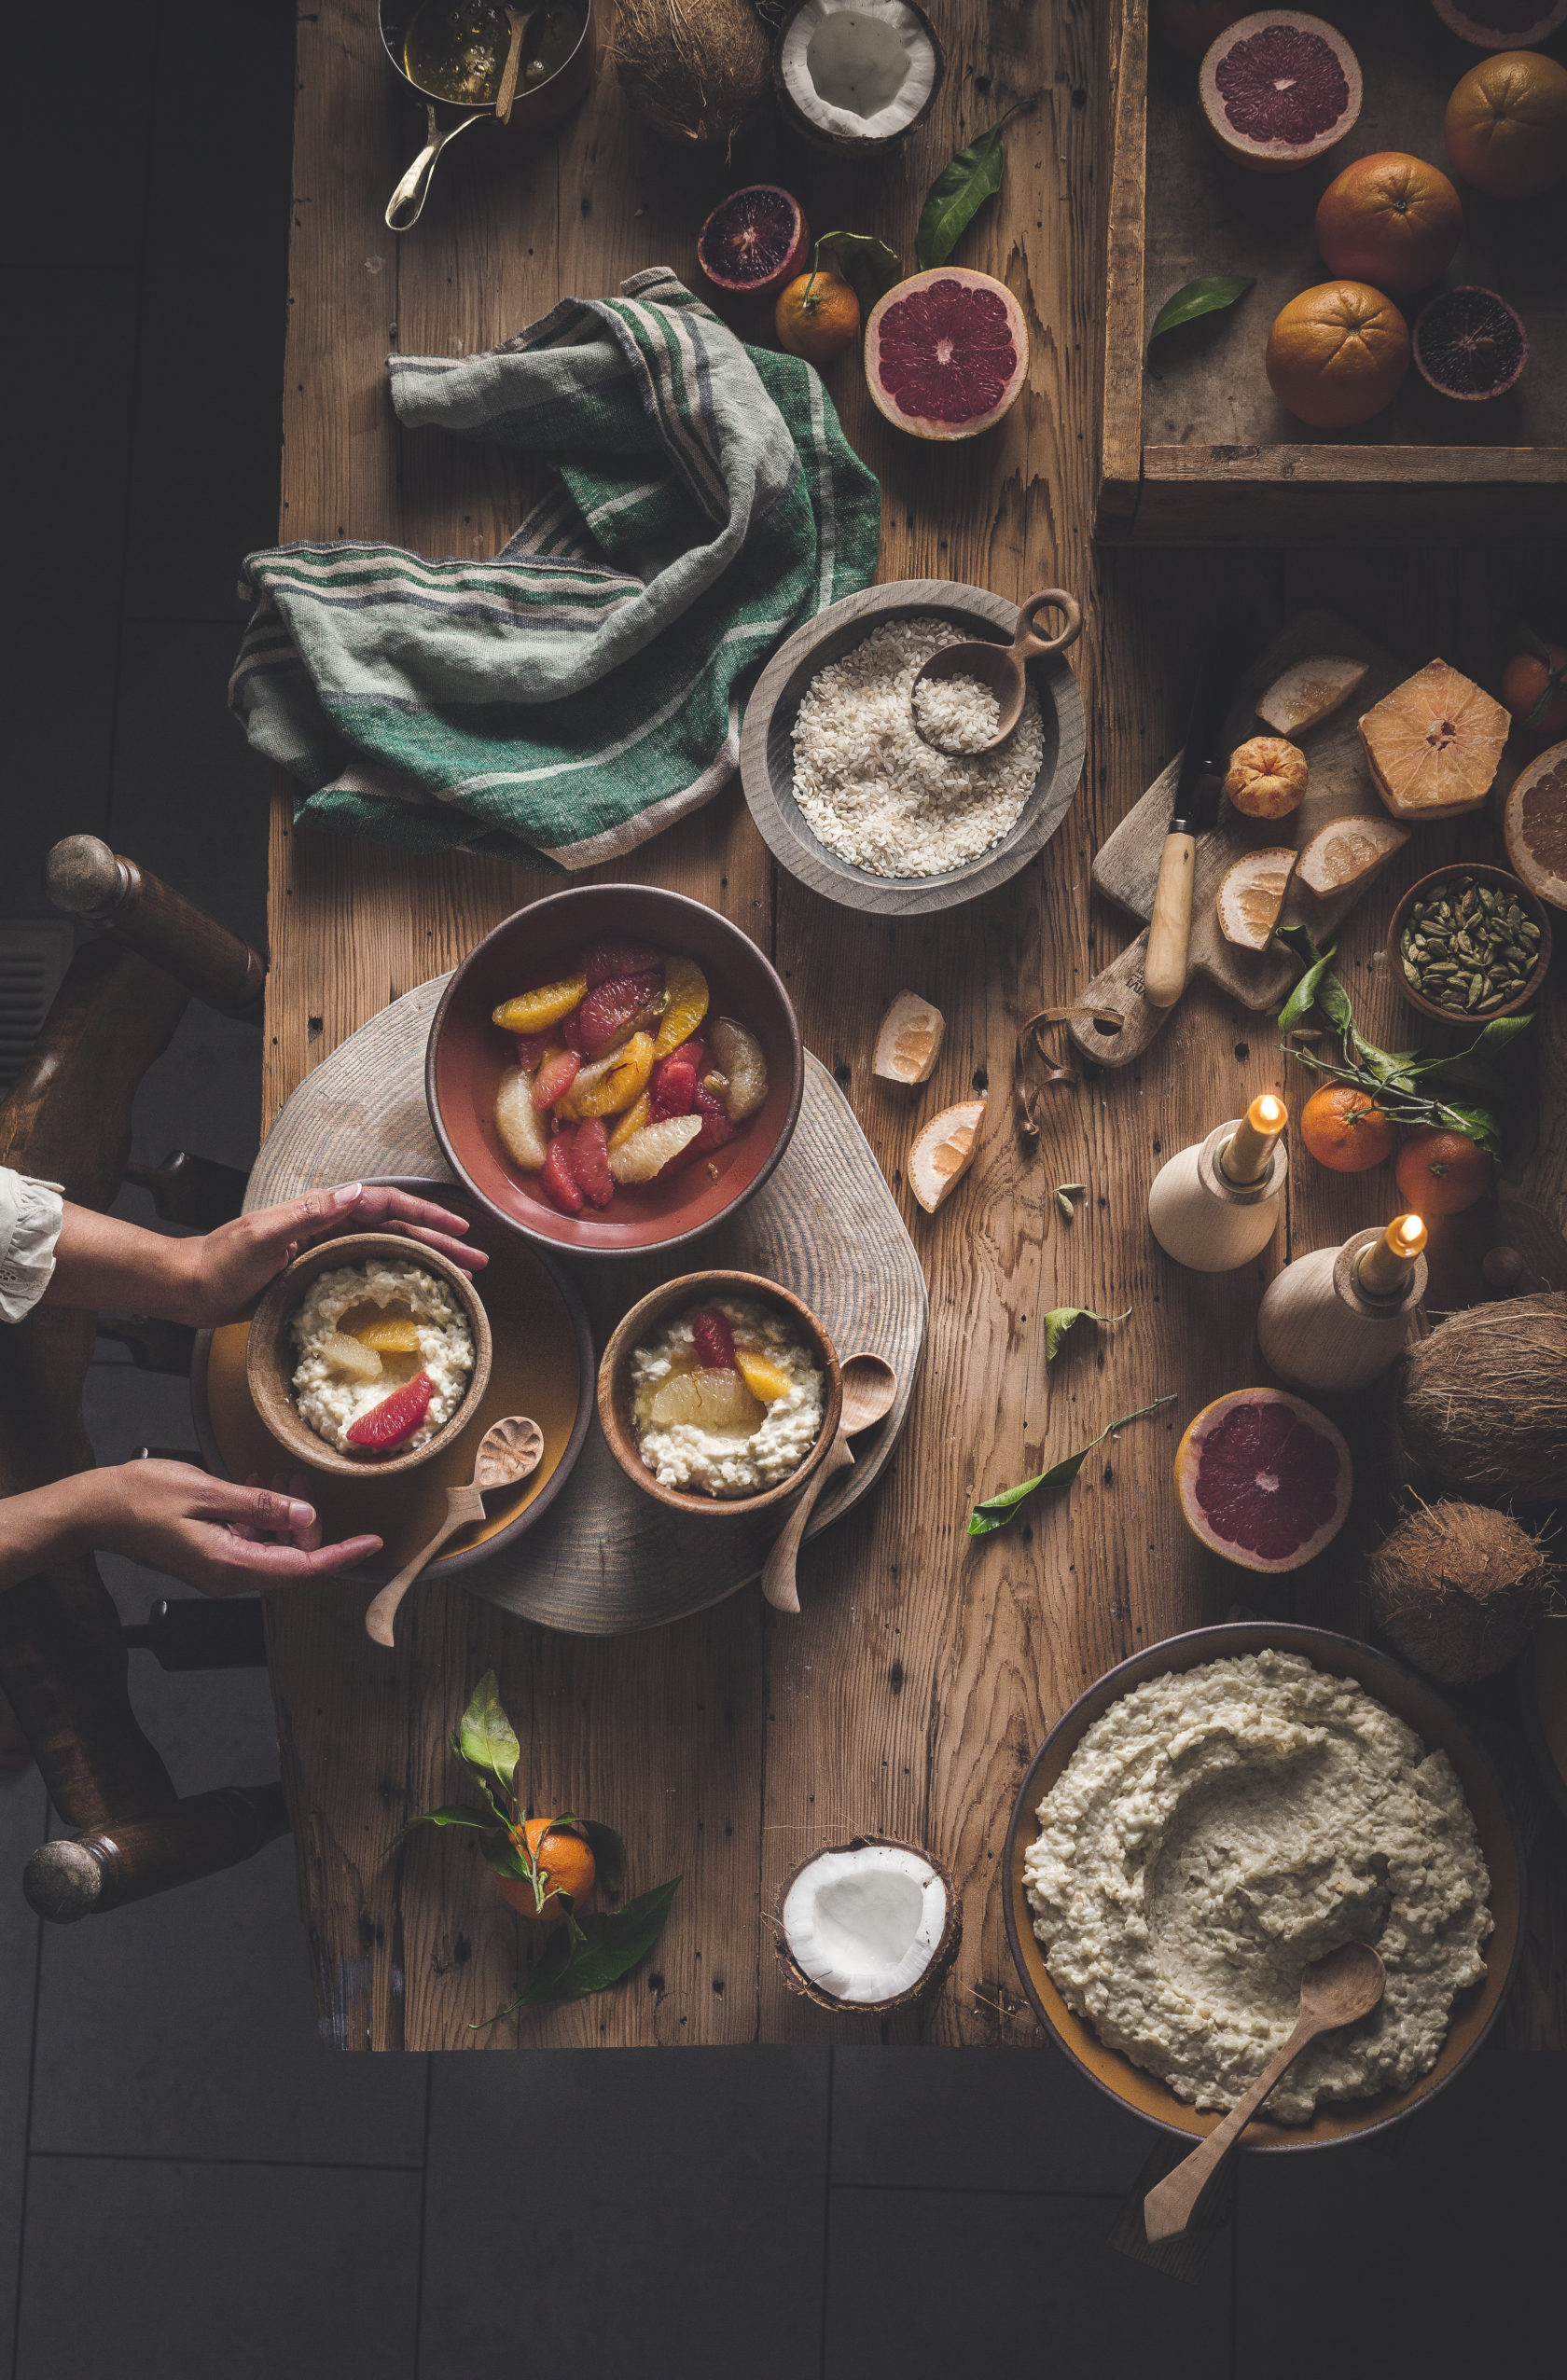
<point>467,1056</point>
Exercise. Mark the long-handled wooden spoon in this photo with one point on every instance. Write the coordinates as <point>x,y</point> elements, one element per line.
<point>1336,1990</point>
<point>507,1452</point>
<point>1000,667</point>
<point>869,1387</point>
<point>518,21</point>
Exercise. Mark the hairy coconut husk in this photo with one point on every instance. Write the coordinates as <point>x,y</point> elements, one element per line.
<point>1483,1401</point>
<point>693,71</point>
<point>1459,1589</point>
<point>797,1980</point>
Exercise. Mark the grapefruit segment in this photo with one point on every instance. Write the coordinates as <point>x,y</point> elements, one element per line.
<point>1309,692</point>
<point>1535,825</point>
<point>1347,850</point>
<point>1251,896</point>
<point>1264,1479</point>
<point>1279,89</point>
<point>946,353</point>
<point>1435,744</point>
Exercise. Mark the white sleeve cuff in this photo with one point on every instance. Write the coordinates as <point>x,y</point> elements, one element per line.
<point>31,1214</point>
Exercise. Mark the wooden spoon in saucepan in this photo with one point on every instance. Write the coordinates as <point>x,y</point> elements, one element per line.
<point>1000,667</point>
<point>507,1452</point>
<point>1336,1990</point>
<point>518,21</point>
<point>869,1387</point>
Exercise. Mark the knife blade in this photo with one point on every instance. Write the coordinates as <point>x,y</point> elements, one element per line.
<point>1195,810</point>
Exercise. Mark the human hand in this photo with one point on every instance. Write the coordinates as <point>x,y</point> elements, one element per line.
<point>224,1538</point>
<point>232,1265</point>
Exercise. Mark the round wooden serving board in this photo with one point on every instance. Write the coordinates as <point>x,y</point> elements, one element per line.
<point>605,1559</point>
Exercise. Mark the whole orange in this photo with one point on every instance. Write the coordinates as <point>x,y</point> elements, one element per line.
<point>1345,1130</point>
<point>1392,220</point>
<point>816,316</point>
<point>1440,1172</point>
<point>1336,353</point>
<point>1525,679</point>
<point>566,1864</point>
<point>1506,124</point>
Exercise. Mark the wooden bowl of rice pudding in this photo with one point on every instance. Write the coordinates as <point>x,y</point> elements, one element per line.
<point>723,1461</point>
<point>847,796</point>
<point>311,1390</point>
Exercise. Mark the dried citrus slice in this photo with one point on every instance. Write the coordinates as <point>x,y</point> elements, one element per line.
<point>632,1121</point>
<point>1347,850</point>
<point>944,1151</point>
<point>1535,825</point>
<point>738,1055</point>
<point>1309,692</point>
<point>1251,896</point>
<point>519,1123</point>
<point>389,1337</point>
<point>706,1401</point>
<point>613,1084</point>
<point>350,1358</point>
<point>648,1152</point>
<point>532,1010</point>
<point>687,987</point>
<point>1433,744</point>
<point>1264,1479</point>
<point>909,1040</point>
<point>763,1379</point>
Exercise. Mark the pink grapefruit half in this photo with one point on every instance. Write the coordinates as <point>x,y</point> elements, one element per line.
<point>1264,1479</point>
<point>1278,88</point>
<point>946,353</point>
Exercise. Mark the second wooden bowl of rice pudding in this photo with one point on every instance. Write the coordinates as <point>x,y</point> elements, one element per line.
<point>369,1354</point>
<point>720,1392</point>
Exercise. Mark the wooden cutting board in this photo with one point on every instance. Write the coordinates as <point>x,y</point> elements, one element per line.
<point>1127,863</point>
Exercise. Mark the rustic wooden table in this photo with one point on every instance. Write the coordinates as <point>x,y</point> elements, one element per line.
<point>926,1668</point>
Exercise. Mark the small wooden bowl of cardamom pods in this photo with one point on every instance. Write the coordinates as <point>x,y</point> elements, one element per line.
<point>1464,925</point>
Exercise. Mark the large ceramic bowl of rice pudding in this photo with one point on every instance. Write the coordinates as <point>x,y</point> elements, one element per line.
<point>854,801</point>
<point>719,1392</point>
<point>368,1355</point>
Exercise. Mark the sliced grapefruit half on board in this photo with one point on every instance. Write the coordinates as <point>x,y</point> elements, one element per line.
<point>1535,825</point>
<point>1264,1479</point>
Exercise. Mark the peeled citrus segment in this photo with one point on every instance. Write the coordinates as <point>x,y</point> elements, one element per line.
<point>687,987</point>
<point>1251,896</point>
<point>1435,744</point>
<point>763,1379</point>
<point>390,1337</point>
<point>636,1116</point>
<point>519,1122</point>
<point>531,1011</point>
<point>707,1401</point>
<point>1264,1479</point>
<point>1535,825</point>
<point>350,1358</point>
<point>738,1054</point>
<point>646,1152</point>
<point>1347,850</point>
<point>1309,692</point>
<point>1267,777</point>
<point>611,1085</point>
<point>909,1040</point>
<point>943,1152</point>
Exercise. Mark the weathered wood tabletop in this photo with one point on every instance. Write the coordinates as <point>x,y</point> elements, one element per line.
<point>926,1668</point>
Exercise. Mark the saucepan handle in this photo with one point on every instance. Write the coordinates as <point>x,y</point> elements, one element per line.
<point>1027,644</point>
<point>407,203</point>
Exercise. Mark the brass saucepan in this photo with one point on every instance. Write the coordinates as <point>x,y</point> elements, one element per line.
<point>534,109</point>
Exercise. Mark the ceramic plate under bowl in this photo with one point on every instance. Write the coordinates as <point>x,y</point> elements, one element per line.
<point>1411,1699</point>
<point>468,1055</point>
<point>767,751</point>
<point>541,1365</point>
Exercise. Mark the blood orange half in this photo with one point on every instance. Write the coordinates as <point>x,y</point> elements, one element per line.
<point>1264,1479</point>
<point>946,353</point>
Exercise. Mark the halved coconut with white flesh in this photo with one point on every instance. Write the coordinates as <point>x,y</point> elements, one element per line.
<point>856,77</point>
<point>870,1923</point>
<point>1309,692</point>
<point>909,1040</point>
<point>944,1151</point>
<point>1251,896</point>
<point>1534,826</point>
<point>1347,850</point>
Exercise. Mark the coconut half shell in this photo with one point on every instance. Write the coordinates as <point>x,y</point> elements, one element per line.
<point>856,78</point>
<point>1459,1589</point>
<point>869,1925</point>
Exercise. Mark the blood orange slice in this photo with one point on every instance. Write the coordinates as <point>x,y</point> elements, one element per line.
<point>1264,1479</point>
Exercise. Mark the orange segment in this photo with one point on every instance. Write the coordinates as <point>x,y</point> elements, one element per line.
<point>389,1337</point>
<point>612,1084</point>
<point>687,987</point>
<point>633,1120</point>
<point>764,1379</point>
<point>532,1011</point>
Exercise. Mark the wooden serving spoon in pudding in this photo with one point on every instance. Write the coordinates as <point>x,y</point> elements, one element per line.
<point>507,1452</point>
<point>1336,1990</point>
<point>999,666</point>
<point>869,1387</point>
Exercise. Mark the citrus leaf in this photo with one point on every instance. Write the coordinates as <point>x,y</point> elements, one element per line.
<point>485,1741</point>
<point>605,1948</point>
<point>868,265</point>
<point>609,1856</point>
<point>1303,999</point>
<point>506,1860</point>
<point>454,1814</point>
<point>1210,295</point>
<point>956,196</point>
<point>1059,1320</point>
<point>996,1511</point>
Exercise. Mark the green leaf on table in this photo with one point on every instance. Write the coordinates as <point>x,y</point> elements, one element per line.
<point>609,1856</point>
<point>606,1947</point>
<point>996,1511</point>
<point>868,265</point>
<point>956,196</point>
<point>1209,295</point>
<point>486,1742</point>
<point>1059,1320</point>
<point>454,1814</point>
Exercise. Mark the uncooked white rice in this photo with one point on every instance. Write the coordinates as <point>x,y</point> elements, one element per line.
<point>873,791</point>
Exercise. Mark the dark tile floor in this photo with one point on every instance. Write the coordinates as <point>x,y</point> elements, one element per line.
<point>189,2184</point>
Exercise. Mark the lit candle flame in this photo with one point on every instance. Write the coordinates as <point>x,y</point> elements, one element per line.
<point>1248,1153</point>
<point>1385,1265</point>
<point>1406,1235</point>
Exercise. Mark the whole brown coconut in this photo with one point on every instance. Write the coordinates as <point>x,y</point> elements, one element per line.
<point>1484,1399</point>
<point>1459,1589</point>
<point>693,71</point>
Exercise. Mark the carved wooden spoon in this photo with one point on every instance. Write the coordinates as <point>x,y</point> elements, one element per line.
<point>1000,667</point>
<point>1336,1990</point>
<point>869,1387</point>
<point>519,23</point>
<point>507,1452</point>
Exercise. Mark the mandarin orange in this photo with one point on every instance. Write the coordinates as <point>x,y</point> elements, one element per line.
<point>1344,1130</point>
<point>565,1863</point>
<point>1441,1172</point>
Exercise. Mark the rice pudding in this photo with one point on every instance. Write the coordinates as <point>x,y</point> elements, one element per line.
<point>727,1400</point>
<point>364,1334</point>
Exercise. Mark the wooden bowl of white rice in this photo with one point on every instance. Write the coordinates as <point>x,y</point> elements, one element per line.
<point>304,1306</point>
<point>851,800</point>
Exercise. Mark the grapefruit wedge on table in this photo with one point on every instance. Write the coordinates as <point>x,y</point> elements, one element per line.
<point>1264,1479</point>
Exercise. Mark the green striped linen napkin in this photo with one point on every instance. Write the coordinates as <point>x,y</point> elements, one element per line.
<point>582,691</point>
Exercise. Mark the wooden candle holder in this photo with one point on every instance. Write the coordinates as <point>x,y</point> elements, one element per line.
<point>1201,1218</point>
<point>1317,1327</point>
